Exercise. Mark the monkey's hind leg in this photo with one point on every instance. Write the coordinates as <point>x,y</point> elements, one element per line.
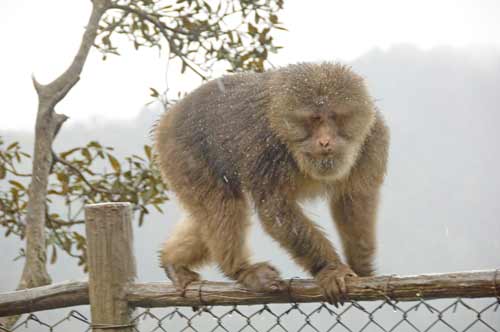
<point>225,233</point>
<point>183,250</point>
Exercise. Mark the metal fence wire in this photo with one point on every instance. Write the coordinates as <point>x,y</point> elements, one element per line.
<point>423,315</point>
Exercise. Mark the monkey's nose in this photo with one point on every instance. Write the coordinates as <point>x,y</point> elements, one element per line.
<point>324,142</point>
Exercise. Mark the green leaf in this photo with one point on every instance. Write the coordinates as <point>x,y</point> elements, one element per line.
<point>280,28</point>
<point>62,177</point>
<point>53,257</point>
<point>94,144</point>
<point>105,40</point>
<point>158,208</point>
<point>116,186</point>
<point>13,145</point>
<point>154,93</point>
<point>64,154</point>
<point>251,29</point>
<point>114,163</point>
<point>165,7</point>
<point>141,218</point>
<point>147,151</point>
<point>17,184</point>
<point>86,154</point>
<point>134,156</point>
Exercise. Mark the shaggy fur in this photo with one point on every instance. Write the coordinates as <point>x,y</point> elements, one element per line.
<point>274,139</point>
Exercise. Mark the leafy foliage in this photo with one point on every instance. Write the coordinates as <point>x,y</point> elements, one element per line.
<point>79,176</point>
<point>13,194</point>
<point>198,33</point>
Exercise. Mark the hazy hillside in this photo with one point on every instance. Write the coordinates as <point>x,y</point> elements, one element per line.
<point>440,205</point>
<point>443,185</point>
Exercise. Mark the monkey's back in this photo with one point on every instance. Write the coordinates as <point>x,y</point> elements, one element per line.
<point>216,141</point>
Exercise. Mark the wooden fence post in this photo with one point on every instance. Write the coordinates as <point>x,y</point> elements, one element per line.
<point>111,265</point>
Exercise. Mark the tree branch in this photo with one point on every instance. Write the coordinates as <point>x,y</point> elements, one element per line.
<point>57,89</point>
<point>80,174</point>
<point>147,17</point>
<point>162,27</point>
<point>68,223</point>
<point>12,168</point>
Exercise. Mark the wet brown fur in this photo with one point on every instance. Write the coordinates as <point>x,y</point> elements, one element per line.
<point>244,138</point>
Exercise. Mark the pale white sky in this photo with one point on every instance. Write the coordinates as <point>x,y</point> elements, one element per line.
<point>40,37</point>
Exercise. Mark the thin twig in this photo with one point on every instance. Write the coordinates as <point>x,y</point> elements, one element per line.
<point>80,174</point>
<point>162,27</point>
<point>12,168</point>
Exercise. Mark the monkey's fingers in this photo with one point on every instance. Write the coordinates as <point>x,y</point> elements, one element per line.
<point>341,281</point>
<point>351,274</point>
<point>342,289</point>
<point>261,277</point>
<point>332,293</point>
<point>277,285</point>
<point>181,287</point>
<point>198,308</point>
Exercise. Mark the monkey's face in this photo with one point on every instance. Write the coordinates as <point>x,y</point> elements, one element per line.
<point>325,140</point>
<point>324,114</point>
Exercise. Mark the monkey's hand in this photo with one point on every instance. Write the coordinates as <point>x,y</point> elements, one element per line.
<point>181,277</point>
<point>331,279</point>
<point>261,277</point>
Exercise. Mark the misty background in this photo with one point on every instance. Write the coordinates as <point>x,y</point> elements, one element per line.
<point>440,203</point>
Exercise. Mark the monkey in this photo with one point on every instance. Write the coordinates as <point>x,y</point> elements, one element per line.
<point>268,142</point>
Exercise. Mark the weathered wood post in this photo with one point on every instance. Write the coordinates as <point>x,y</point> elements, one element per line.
<point>111,265</point>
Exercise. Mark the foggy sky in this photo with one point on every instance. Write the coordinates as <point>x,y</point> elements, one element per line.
<point>38,40</point>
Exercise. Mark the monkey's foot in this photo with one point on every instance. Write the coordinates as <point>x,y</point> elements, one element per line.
<point>261,277</point>
<point>181,276</point>
<point>331,279</point>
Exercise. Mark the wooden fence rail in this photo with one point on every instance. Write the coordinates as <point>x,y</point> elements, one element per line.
<point>474,284</point>
<point>112,292</point>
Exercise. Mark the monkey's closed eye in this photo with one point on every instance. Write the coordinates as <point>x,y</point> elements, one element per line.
<point>333,116</point>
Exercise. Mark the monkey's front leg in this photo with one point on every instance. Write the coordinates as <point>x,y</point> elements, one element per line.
<point>355,217</point>
<point>285,222</point>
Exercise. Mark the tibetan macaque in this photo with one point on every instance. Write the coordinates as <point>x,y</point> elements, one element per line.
<point>271,140</point>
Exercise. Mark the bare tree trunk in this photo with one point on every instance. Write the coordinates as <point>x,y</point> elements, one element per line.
<point>47,126</point>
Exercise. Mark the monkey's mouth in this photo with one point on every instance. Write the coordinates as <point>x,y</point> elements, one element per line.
<point>321,161</point>
<point>319,166</point>
<point>319,156</point>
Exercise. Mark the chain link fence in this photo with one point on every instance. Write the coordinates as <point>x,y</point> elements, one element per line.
<point>459,301</point>
<point>423,315</point>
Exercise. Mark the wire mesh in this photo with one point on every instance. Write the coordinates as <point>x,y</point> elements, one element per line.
<point>423,315</point>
